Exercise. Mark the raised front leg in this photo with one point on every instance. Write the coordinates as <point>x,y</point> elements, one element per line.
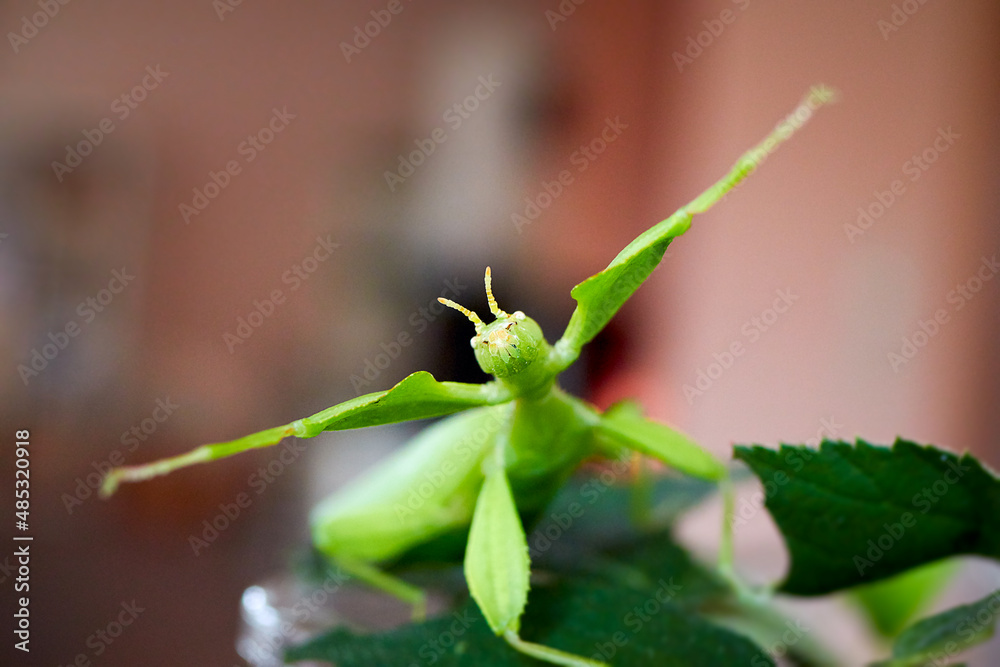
<point>600,296</point>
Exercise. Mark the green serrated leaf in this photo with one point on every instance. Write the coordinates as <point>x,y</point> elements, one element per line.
<point>944,636</point>
<point>854,514</point>
<point>625,627</point>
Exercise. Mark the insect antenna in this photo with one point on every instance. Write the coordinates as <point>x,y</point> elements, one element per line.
<point>489,296</point>
<point>465,311</point>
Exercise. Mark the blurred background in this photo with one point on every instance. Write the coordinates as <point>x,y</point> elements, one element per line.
<point>220,216</point>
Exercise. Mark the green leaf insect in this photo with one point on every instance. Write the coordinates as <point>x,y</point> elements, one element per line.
<point>513,443</point>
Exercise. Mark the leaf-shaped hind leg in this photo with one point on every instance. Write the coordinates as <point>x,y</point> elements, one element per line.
<point>497,567</point>
<point>624,425</point>
<point>417,396</point>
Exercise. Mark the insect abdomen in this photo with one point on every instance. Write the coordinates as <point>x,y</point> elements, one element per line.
<point>426,489</point>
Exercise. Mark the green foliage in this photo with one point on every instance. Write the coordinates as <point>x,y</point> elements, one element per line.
<point>854,514</point>
<point>892,603</point>
<point>634,603</point>
<point>602,570</point>
<point>937,639</point>
<point>589,620</point>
